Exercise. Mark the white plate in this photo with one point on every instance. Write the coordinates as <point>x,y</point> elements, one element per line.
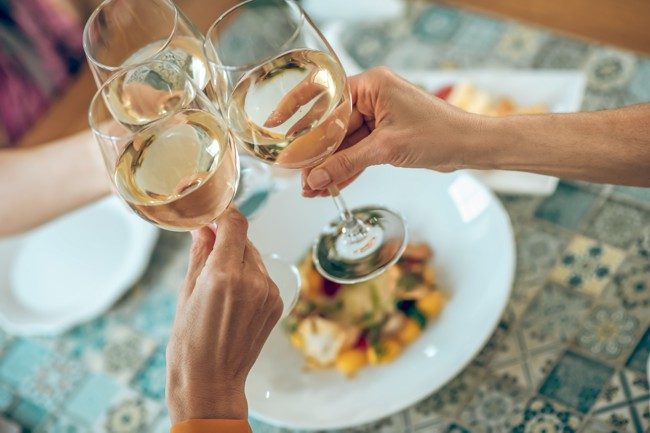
<point>561,91</point>
<point>475,259</point>
<point>72,269</point>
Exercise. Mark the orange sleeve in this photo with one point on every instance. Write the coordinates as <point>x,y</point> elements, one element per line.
<point>212,426</point>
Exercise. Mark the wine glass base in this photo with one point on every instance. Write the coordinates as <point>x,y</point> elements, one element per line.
<point>286,276</point>
<point>339,261</point>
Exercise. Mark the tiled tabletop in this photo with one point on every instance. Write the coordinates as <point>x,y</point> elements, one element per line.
<point>568,356</point>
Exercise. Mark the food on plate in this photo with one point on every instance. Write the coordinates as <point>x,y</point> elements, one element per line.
<point>348,327</point>
<point>470,98</point>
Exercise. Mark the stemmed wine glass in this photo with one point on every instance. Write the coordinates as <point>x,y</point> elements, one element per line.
<point>286,98</point>
<point>180,170</point>
<point>120,33</point>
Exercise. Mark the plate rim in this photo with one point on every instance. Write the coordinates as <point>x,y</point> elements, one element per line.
<point>416,397</point>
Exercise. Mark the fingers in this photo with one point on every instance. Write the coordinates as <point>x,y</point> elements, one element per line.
<point>202,244</point>
<point>345,164</point>
<point>304,92</point>
<point>230,243</point>
<point>313,115</point>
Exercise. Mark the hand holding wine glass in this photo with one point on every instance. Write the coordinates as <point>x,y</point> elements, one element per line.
<point>226,309</point>
<point>393,122</point>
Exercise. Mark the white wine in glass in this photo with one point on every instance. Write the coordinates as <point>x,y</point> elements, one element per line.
<point>292,110</point>
<point>286,98</point>
<point>178,171</point>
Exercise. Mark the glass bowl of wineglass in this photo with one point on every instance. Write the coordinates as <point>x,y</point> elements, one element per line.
<point>180,169</point>
<point>287,101</point>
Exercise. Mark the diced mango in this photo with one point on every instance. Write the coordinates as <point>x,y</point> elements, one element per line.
<point>296,340</point>
<point>387,352</point>
<point>409,332</point>
<point>314,283</point>
<point>431,304</point>
<point>429,276</point>
<point>350,361</point>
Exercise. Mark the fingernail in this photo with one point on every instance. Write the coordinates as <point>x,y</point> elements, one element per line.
<point>273,120</point>
<point>319,179</point>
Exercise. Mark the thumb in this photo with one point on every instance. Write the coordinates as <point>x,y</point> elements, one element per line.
<point>344,164</point>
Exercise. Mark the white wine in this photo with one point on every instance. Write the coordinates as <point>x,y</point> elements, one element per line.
<point>149,92</point>
<point>292,111</point>
<point>180,173</point>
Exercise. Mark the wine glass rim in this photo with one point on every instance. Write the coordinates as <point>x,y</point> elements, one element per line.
<point>98,98</point>
<point>114,68</point>
<point>246,67</point>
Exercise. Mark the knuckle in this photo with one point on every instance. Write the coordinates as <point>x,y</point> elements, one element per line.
<point>237,219</point>
<point>382,72</point>
<point>345,163</point>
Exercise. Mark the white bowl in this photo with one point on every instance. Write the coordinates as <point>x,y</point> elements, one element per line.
<point>474,257</point>
<point>72,269</point>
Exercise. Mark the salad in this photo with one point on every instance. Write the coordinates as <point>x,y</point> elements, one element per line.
<point>348,327</point>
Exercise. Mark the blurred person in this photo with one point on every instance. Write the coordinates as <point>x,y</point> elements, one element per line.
<point>40,52</point>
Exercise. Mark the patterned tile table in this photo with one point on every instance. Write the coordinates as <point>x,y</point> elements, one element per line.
<point>568,356</point>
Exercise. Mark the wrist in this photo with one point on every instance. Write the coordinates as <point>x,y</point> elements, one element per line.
<point>206,404</point>
<point>487,142</point>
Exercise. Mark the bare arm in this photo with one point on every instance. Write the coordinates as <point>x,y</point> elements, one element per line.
<point>41,183</point>
<point>611,146</point>
<point>394,122</point>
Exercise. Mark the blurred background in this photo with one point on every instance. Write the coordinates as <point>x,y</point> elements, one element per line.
<point>107,374</point>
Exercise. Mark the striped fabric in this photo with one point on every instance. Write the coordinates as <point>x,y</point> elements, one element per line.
<point>40,50</point>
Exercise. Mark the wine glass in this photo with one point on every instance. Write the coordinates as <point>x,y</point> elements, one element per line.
<point>285,96</point>
<point>179,171</point>
<point>120,33</point>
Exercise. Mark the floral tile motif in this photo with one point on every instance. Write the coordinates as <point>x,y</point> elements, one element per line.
<point>609,69</point>
<point>635,194</point>
<point>52,382</point>
<point>449,401</point>
<point>624,402</point>
<point>108,406</point>
<point>597,426</point>
<point>436,24</point>
<point>120,353</point>
<point>368,45</point>
<point>476,38</point>
<point>641,246</point>
<point>618,224</point>
<point>28,414</point>
<point>163,424</point>
<point>22,360</point>
<point>521,296</point>
<point>392,424</point>
<point>414,54</point>
<point>515,362</point>
<point>587,265</point>
<point>576,381</point>
<point>537,249</point>
<point>608,332</point>
<point>553,317</point>
<point>520,208</point>
<point>151,379</point>
<point>567,206</point>
<point>57,424</point>
<point>494,405</point>
<point>4,341</point>
<point>631,285</point>
<point>154,314</point>
<point>594,101</point>
<point>561,54</point>
<point>6,398</point>
<point>639,357</point>
<point>519,45</point>
<point>435,427</point>
<point>639,83</point>
<point>541,415</point>
<point>495,342</point>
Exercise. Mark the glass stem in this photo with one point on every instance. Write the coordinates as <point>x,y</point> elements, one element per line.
<point>354,229</point>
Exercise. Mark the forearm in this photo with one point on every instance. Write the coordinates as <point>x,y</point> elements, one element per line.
<point>611,146</point>
<point>41,183</point>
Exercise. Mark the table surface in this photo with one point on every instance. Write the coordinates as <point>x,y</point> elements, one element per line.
<point>568,355</point>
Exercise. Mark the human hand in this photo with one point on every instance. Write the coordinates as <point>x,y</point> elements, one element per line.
<point>394,122</point>
<point>226,309</point>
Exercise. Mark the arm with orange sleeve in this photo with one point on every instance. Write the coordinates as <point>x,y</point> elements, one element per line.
<point>212,426</point>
